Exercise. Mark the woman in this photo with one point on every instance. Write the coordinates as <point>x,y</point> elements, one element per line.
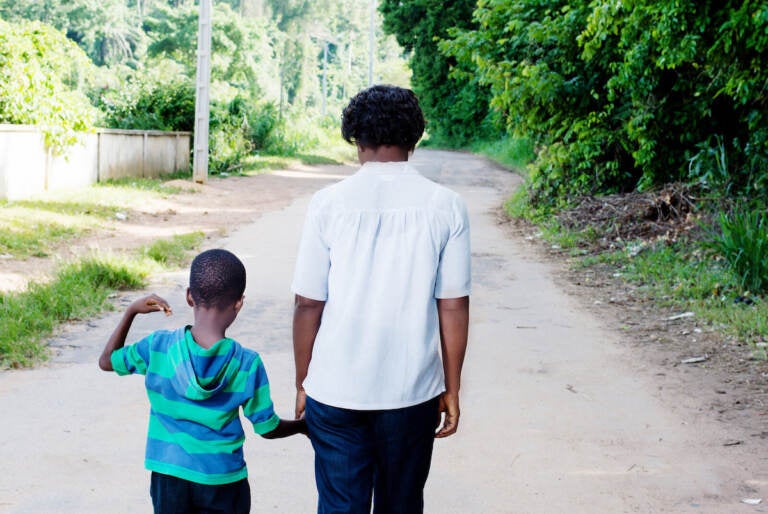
<point>382,286</point>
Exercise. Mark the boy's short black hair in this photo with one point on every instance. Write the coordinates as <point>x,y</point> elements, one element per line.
<point>216,279</point>
<point>383,115</point>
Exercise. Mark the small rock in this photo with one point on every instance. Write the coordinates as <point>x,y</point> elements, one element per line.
<point>694,360</point>
<point>681,316</point>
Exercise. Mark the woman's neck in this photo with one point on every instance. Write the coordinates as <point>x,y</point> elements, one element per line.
<point>383,153</point>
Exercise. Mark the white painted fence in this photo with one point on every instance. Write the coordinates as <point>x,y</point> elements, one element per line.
<point>28,168</point>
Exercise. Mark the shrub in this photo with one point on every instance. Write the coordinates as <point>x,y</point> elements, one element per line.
<point>743,243</point>
<point>150,105</point>
<point>40,72</point>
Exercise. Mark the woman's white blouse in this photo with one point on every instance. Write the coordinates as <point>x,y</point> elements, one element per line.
<point>379,248</point>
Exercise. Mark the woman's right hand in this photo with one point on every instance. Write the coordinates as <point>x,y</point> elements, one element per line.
<point>301,402</point>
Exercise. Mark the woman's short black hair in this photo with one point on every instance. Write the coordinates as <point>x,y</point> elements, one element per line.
<point>216,279</point>
<point>383,115</point>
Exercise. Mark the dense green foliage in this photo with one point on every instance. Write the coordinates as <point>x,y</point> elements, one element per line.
<point>624,95</point>
<point>150,105</point>
<point>42,74</point>
<point>107,30</point>
<point>456,108</point>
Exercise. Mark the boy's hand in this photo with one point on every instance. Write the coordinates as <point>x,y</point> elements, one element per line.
<point>151,303</point>
<point>145,305</point>
<point>449,404</point>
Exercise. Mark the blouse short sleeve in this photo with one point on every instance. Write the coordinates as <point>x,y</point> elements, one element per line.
<point>454,269</point>
<point>313,260</point>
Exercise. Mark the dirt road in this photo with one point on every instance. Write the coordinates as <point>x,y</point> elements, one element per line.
<point>556,417</point>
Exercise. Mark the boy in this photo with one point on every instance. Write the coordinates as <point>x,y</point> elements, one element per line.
<point>197,379</point>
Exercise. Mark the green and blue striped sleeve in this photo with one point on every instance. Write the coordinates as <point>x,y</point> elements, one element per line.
<point>259,408</point>
<point>133,358</point>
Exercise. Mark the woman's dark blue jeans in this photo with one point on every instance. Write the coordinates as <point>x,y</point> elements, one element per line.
<point>382,453</point>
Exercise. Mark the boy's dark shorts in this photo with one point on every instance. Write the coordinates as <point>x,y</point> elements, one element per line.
<point>172,495</point>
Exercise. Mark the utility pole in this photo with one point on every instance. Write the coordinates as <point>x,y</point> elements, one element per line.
<point>326,39</point>
<point>371,42</point>
<point>325,74</point>
<point>202,94</point>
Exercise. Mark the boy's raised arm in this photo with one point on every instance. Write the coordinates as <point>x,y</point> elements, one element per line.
<point>147,304</point>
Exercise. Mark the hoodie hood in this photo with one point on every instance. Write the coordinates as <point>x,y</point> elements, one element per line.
<point>203,372</point>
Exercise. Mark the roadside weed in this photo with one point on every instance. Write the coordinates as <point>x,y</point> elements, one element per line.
<point>743,243</point>
<point>154,185</point>
<point>79,289</point>
<point>674,273</point>
<point>26,231</point>
<point>174,251</point>
<point>511,152</point>
<point>685,277</point>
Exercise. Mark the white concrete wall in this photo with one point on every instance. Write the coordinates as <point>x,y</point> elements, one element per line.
<point>22,161</point>
<point>77,169</point>
<point>28,168</point>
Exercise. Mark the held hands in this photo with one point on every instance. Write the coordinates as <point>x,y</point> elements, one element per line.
<point>449,404</point>
<point>151,303</point>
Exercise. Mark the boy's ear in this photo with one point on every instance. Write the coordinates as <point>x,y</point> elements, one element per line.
<point>190,300</point>
<point>239,304</point>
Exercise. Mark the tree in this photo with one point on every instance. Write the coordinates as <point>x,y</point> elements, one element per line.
<point>242,60</point>
<point>625,95</point>
<point>454,102</point>
<point>107,30</point>
<point>41,71</point>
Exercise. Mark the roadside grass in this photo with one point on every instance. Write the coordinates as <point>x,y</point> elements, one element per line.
<point>511,152</point>
<point>79,289</point>
<point>686,276</point>
<point>335,152</point>
<point>161,186</point>
<point>174,252</point>
<point>33,229</point>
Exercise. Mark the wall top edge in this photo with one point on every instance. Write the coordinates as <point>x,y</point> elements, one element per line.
<point>11,127</point>
<point>147,132</point>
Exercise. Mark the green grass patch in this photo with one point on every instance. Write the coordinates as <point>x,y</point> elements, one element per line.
<point>686,277</point>
<point>26,232</point>
<point>678,274</point>
<point>69,208</point>
<point>154,185</point>
<point>255,164</point>
<point>33,228</point>
<point>174,252</point>
<point>742,240</point>
<point>511,152</point>
<point>78,290</point>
